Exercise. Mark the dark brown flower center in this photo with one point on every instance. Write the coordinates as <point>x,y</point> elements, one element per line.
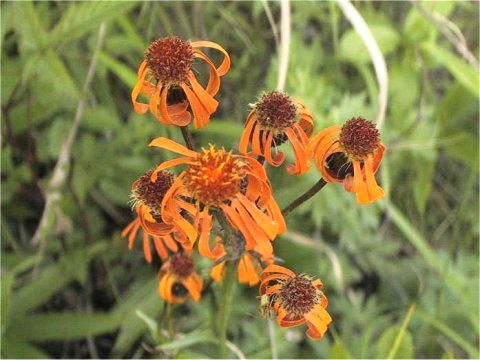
<point>178,290</point>
<point>151,193</point>
<point>181,264</point>
<point>339,165</point>
<point>170,59</point>
<point>298,295</point>
<point>359,138</point>
<point>276,111</point>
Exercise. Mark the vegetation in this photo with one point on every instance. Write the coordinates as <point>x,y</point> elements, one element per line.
<point>401,274</point>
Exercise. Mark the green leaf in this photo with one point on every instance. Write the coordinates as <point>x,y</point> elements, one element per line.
<point>471,349</point>
<point>52,279</point>
<point>64,326</point>
<point>200,336</point>
<point>8,280</point>
<point>150,322</point>
<point>465,73</point>
<point>387,339</point>
<point>80,18</point>
<point>465,149</point>
<point>338,351</point>
<point>125,73</point>
<point>141,297</point>
<point>352,49</point>
<point>27,23</point>
<point>20,349</point>
<point>402,340</point>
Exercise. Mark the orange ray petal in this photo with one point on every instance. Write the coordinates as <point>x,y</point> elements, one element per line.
<point>200,114</point>
<point>193,288</point>
<point>218,272</point>
<point>173,146</point>
<point>207,100</point>
<point>225,65</point>
<point>278,269</point>
<point>161,251</point>
<point>301,165</point>
<point>279,157</point>
<point>213,84</point>
<point>267,224</point>
<point>247,132</point>
<point>171,244</point>
<point>146,248</point>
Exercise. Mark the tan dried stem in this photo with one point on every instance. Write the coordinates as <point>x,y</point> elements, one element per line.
<point>376,55</point>
<point>53,192</point>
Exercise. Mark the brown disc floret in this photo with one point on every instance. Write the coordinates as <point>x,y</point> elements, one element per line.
<point>151,193</point>
<point>276,111</point>
<point>359,138</point>
<point>170,59</point>
<point>298,295</point>
<point>181,264</point>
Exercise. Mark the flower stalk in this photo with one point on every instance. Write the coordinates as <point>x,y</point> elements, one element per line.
<point>227,291</point>
<point>304,197</point>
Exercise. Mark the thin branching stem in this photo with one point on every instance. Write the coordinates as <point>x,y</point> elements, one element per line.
<point>304,197</point>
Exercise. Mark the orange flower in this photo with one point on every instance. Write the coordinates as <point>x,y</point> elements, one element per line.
<point>167,79</point>
<point>249,264</point>
<point>296,299</point>
<point>147,197</point>
<point>351,155</point>
<point>275,119</point>
<point>233,186</point>
<point>178,279</point>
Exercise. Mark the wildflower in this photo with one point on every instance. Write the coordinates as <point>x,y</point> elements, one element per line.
<point>178,279</point>
<point>351,155</point>
<point>165,76</point>
<point>147,197</point>
<point>249,265</point>
<point>234,186</point>
<point>275,119</point>
<point>296,299</point>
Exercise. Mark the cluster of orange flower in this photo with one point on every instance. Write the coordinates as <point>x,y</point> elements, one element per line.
<point>224,200</point>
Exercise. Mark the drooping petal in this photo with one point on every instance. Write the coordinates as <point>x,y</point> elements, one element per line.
<point>161,251</point>
<point>225,65</point>
<point>247,133</point>
<point>301,164</point>
<point>207,100</point>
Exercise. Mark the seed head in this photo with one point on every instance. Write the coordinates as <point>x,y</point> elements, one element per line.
<point>276,111</point>
<point>359,138</point>
<point>181,264</point>
<point>298,295</point>
<point>151,193</point>
<point>214,177</point>
<point>170,59</point>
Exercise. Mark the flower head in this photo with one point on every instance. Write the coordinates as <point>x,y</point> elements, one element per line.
<point>275,119</point>
<point>178,279</point>
<point>214,176</point>
<point>296,299</point>
<point>166,78</point>
<point>350,155</point>
<point>218,181</point>
<point>147,199</point>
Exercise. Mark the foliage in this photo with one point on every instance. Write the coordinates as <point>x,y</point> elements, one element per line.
<point>81,293</point>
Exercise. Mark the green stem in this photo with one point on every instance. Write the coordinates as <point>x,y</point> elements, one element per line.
<point>304,197</point>
<point>228,289</point>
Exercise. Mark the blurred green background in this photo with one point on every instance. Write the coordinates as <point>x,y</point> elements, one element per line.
<point>79,292</point>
